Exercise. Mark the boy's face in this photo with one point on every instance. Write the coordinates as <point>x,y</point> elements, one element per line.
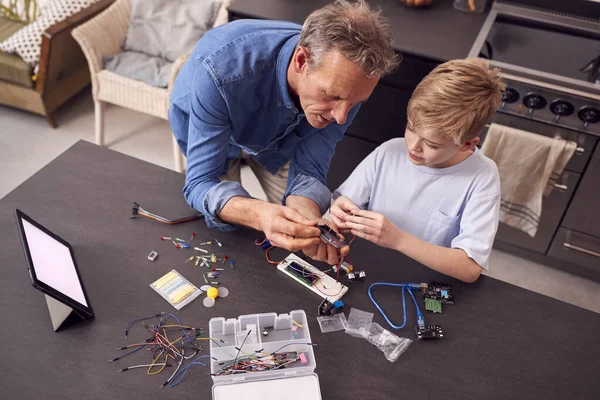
<point>436,151</point>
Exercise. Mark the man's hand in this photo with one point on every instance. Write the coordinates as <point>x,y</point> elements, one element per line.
<point>375,228</point>
<point>340,209</point>
<point>285,227</point>
<point>325,251</point>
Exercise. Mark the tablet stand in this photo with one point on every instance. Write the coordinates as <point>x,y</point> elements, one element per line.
<point>59,312</point>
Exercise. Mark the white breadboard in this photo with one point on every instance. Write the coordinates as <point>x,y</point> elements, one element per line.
<point>325,286</point>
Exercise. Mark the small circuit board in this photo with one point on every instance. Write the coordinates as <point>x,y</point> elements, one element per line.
<point>330,236</point>
<point>433,305</point>
<point>301,273</point>
<point>429,332</point>
<point>438,291</point>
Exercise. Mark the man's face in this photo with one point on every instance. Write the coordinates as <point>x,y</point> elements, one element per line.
<point>432,150</point>
<point>328,91</point>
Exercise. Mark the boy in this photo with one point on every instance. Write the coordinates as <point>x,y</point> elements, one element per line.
<point>432,195</point>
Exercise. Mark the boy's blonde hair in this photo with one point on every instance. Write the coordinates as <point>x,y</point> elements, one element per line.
<point>456,100</point>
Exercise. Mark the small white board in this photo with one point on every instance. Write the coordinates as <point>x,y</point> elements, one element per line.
<point>326,287</point>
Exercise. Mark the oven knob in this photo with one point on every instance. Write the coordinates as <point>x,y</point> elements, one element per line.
<point>509,95</point>
<point>534,101</point>
<point>561,108</point>
<point>589,115</point>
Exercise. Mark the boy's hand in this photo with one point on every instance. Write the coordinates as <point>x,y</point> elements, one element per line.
<point>375,228</point>
<point>340,209</point>
<point>324,251</point>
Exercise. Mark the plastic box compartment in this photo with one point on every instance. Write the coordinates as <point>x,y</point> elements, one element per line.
<point>298,380</point>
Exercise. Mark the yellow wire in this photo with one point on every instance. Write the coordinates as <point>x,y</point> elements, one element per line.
<point>153,362</point>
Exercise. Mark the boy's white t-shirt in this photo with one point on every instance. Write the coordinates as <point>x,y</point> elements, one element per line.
<point>456,207</point>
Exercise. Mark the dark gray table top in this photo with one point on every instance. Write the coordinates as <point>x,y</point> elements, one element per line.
<point>501,341</point>
<point>439,32</point>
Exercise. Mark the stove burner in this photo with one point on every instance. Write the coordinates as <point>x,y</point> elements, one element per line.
<point>509,95</point>
<point>534,101</point>
<point>561,108</point>
<point>589,115</point>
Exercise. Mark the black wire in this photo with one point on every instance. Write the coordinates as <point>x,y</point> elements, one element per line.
<point>130,324</point>
<point>240,348</point>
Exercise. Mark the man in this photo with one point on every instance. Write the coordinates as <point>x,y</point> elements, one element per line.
<point>284,95</point>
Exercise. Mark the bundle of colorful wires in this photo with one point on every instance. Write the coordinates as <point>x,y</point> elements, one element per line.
<point>138,210</point>
<point>163,347</point>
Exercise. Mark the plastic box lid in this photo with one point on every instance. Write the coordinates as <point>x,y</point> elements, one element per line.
<point>296,381</point>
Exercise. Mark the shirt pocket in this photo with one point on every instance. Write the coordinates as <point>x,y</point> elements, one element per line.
<point>441,229</point>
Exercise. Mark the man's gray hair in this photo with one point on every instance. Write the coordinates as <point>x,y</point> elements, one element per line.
<point>361,35</point>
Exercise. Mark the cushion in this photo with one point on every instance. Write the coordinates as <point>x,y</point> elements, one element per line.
<point>27,42</point>
<point>12,68</point>
<point>169,28</point>
<point>154,71</point>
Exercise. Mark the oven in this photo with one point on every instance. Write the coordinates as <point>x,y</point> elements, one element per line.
<point>543,57</point>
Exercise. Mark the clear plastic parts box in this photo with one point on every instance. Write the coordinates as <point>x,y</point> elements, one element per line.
<point>295,381</point>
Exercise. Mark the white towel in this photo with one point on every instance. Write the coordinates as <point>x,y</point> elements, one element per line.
<point>526,162</point>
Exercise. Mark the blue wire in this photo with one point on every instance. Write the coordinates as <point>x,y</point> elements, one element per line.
<point>179,322</point>
<point>404,286</point>
<point>182,373</point>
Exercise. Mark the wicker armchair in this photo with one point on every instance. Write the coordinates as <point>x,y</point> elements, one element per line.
<point>103,35</point>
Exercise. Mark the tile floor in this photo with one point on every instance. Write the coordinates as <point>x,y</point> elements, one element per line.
<point>27,143</point>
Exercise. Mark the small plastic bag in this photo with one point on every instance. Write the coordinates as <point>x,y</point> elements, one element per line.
<point>391,345</point>
<point>332,323</point>
<point>357,321</point>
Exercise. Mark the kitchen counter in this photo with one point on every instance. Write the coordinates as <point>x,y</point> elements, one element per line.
<point>439,32</point>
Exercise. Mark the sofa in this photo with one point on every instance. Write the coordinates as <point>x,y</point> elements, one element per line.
<point>62,69</point>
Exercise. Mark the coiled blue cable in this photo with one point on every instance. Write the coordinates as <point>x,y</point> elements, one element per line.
<point>404,286</point>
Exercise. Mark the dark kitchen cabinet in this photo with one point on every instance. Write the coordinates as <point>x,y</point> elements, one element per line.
<point>383,116</point>
<point>577,249</point>
<point>348,154</point>
<point>583,215</point>
<point>553,208</point>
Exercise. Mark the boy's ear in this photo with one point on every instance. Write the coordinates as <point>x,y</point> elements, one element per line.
<point>470,144</point>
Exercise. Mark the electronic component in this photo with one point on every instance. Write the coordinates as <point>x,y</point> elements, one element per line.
<point>298,324</point>
<point>152,256</point>
<point>324,308</point>
<point>312,278</point>
<point>438,291</point>
<point>433,305</point>
<point>338,307</point>
<point>295,332</point>
<point>303,359</point>
<point>357,276</point>
<point>330,236</point>
<point>212,293</point>
<point>300,272</point>
<point>429,332</point>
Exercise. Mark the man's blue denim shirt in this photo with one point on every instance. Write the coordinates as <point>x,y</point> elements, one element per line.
<point>232,95</point>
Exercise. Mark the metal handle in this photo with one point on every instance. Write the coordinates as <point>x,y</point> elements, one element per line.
<point>562,188</point>
<point>581,249</point>
<point>578,150</point>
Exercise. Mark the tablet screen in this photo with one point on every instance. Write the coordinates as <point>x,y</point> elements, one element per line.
<point>52,263</point>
